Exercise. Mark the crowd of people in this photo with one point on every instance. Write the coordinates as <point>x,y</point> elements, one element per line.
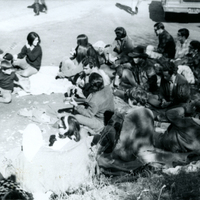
<point>163,80</point>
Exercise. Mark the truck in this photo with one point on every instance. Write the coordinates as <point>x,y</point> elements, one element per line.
<point>178,7</point>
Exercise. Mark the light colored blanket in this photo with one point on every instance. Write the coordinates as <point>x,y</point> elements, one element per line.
<point>40,168</point>
<point>44,82</point>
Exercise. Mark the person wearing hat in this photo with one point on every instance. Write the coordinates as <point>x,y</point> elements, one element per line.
<point>141,74</point>
<point>7,78</point>
<point>121,46</point>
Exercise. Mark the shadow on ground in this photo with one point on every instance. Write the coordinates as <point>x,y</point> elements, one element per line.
<point>126,8</point>
<point>157,14</point>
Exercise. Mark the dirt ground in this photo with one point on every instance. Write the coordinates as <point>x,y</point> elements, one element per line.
<point>58,30</point>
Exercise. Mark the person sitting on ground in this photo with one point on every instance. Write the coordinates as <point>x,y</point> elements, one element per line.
<point>121,46</point>
<point>174,89</point>
<point>30,57</point>
<point>81,79</point>
<point>105,58</point>
<point>166,45</point>
<point>141,74</point>
<point>193,60</point>
<point>183,42</point>
<point>183,135</point>
<point>99,100</point>
<point>72,65</point>
<point>7,79</point>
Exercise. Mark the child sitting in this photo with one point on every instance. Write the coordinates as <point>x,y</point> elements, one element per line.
<point>7,78</point>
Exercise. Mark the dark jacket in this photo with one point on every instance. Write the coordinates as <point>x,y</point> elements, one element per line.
<point>122,48</point>
<point>180,91</point>
<point>166,46</point>
<point>33,58</point>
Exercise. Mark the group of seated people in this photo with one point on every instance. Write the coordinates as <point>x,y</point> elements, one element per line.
<point>163,80</point>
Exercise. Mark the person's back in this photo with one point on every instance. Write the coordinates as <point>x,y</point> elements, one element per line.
<point>104,101</point>
<point>99,100</point>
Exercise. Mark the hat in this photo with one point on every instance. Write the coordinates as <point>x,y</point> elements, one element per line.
<point>138,52</point>
<point>68,68</point>
<point>5,64</point>
<point>8,57</point>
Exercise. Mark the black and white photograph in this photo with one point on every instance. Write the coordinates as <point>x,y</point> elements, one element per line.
<point>100,99</point>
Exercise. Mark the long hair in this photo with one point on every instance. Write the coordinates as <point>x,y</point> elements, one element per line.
<point>82,40</point>
<point>31,37</point>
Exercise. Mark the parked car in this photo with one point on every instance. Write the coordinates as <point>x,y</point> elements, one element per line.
<point>172,7</point>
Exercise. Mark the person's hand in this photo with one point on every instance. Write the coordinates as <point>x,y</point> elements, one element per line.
<point>80,82</point>
<point>72,52</point>
<point>72,90</point>
<point>27,45</point>
<point>165,103</point>
<point>73,102</point>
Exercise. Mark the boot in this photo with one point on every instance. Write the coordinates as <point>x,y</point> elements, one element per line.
<point>37,9</point>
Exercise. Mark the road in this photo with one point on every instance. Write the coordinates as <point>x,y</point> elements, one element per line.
<point>66,19</point>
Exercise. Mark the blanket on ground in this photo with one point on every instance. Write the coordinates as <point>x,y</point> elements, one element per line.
<point>44,169</point>
<point>44,82</point>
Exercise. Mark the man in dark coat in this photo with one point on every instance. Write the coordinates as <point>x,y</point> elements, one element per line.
<point>166,45</point>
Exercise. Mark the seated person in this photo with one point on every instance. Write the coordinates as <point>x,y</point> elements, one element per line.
<point>183,135</point>
<point>121,46</point>
<point>166,45</point>
<point>174,88</point>
<point>142,73</point>
<point>126,144</point>
<point>30,57</point>
<point>183,42</point>
<point>100,99</point>
<point>81,79</point>
<point>7,79</point>
<point>72,65</point>
<point>105,58</point>
<point>193,60</point>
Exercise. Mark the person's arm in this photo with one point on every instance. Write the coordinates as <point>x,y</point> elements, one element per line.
<point>33,55</point>
<point>177,116</point>
<point>162,44</point>
<point>92,106</point>
<point>23,52</point>
<point>90,111</point>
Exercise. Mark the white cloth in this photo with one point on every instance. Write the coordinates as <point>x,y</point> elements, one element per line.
<point>187,73</point>
<point>44,82</point>
<point>50,170</point>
